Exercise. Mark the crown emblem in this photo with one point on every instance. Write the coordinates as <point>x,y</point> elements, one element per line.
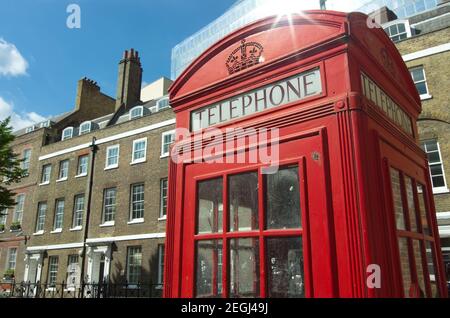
<point>245,56</point>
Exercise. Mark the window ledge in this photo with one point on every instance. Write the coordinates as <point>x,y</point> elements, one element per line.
<point>44,183</point>
<point>159,287</point>
<point>425,96</point>
<point>136,221</point>
<point>76,228</point>
<point>38,233</point>
<point>138,162</point>
<point>106,224</point>
<point>441,190</point>
<point>56,231</point>
<point>163,218</point>
<point>81,175</point>
<point>17,230</point>
<point>111,167</point>
<point>164,156</point>
<point>62,179</point>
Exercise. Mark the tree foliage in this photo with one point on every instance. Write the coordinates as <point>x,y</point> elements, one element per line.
<point>10,165</point>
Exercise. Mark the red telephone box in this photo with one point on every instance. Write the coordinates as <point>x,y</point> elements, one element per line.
<point>346,208</point>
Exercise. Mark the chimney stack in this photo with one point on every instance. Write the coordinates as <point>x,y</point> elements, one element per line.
<point>130,80</point>
<point>87,90</point>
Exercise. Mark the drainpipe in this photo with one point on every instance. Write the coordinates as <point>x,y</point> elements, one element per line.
<point>94,149</point>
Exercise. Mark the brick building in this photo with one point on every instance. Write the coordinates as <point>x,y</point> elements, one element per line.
<point>94,202</point>
<point>423,39</point>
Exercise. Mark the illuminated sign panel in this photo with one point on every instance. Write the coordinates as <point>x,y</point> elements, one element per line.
<point>377,96</point>
<point>280,93</point>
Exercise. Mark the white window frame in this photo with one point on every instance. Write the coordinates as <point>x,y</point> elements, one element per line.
<point>64,137</point>
<point>63,178</point>
<point>57,229</point>
<point>161,100</point>
<point>52,271</point>
<point>78,212</point>
<point>40,218</point>
<point>163,216</point>
<point>129,249</point>
<point>18,210</point>
<point>85,131</point>
<point>144,158</point>
<point>141,114</point>
<point>395,22</point>
<point>116,165</point>
<point>161,251</point>
<point>427,94</point>
<point>166,154</point>
<point>141,218</point>
<point>443,189</point>
<point>26,159</point>
<point>44,124</point>
<point>110,205</point>
<point>44,182</point>
<point>9,261</point>
<point>82,174</point>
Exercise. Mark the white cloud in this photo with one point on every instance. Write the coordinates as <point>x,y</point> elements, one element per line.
<point>18,120</point>
<point>11,61</point>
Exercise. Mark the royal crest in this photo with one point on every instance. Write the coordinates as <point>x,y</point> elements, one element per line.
<point>245,56</point>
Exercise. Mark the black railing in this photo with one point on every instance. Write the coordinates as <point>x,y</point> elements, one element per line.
<point>83,290</point>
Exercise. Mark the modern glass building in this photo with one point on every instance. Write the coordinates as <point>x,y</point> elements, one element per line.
<point>246,11</point>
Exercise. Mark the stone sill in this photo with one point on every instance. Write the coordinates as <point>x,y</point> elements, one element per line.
<point>81,175</point>
<point>61,180</point>
<point>107,224</point>
<point>136,221</point>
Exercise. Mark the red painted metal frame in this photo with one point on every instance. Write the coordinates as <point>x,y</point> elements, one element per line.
<point>346,196</point>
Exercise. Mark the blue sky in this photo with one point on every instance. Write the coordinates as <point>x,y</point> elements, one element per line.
<point>41,59</point>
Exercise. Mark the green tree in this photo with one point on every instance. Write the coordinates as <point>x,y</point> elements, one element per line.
<point>10,165</point>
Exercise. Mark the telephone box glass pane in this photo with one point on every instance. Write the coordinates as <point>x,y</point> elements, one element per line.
<point>411,205</point>
<point>397,198</point>
<point>208,268</point>
<point>432,269</point>
<point>419,268</point>
<point>283,199</point>
<point>244,267</point>
<point>243,202</point>
<point>405,265</point>
<point>209,205</point>
<point>285,267</point>
<point>423,210</point>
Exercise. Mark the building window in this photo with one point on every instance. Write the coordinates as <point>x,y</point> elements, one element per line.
<point>59,215</point>
<point>418,76</point>
<point>398,31</point>
<point>73,267</point>
<point>29,129</point>
<point>78,211</point>
<point>112,157</point>
<point>18,211</point>
<point>63,170</point>
<point>167,139</point>
<point>134,265</point>
<point>82,165</point>
<point>40,219</point>
<point>163,198</point>
<point>52,271</point>
<point>136,112</point>
<point>109,205</point>
<point>139,150</point>
<point>44,124</point>
<point>163,103</point>
<point>26,160</point>
<point>3,215</point>
<point>46,173</point>
<point>85,127</point>
<point>67,133</point>
<point>432,149</point>
<point>12,255</point>
<point>137,201</point>
<point>160,264</point>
